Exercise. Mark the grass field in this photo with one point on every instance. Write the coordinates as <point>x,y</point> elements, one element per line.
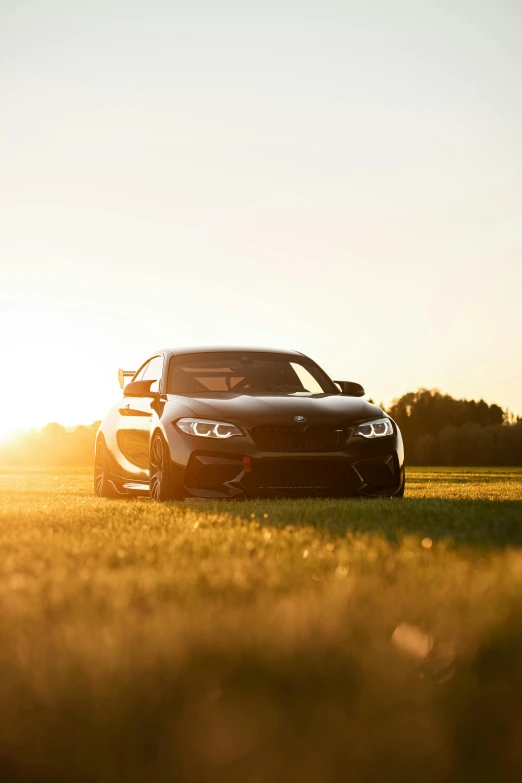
<point>264,641</point>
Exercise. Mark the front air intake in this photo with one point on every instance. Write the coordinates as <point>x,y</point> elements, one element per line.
<point>301,476</point>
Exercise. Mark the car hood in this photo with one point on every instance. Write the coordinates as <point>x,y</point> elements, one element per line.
<point>279,409</point>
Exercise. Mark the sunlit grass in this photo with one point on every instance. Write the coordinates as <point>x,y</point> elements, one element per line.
<point>312,640</point>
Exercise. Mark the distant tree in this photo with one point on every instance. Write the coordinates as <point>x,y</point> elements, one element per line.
<point>439,429</point>
<point>52,445</point>
<point>425,451</point>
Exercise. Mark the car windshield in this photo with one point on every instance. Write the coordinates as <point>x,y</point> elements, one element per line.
<point>247,373</point>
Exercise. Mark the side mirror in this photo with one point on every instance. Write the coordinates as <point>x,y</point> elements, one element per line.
<point>348,388</point>
<point>139,389</point>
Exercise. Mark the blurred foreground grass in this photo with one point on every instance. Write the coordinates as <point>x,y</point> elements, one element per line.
<point>310,640</point>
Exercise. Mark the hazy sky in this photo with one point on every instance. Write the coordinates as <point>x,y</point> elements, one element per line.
<point>344,179</point>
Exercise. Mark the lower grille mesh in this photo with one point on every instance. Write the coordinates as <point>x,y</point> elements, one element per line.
<point>308,475</point>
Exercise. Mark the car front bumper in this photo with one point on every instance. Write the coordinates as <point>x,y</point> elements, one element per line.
<point>237,468</point>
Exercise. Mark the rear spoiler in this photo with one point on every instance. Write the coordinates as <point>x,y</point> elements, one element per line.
<point>122,374</point>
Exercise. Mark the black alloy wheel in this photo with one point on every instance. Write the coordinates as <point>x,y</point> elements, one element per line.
<point>162,485</point>
<point>103,486</point>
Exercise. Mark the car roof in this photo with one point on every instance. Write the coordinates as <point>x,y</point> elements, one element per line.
<point>225,349</point>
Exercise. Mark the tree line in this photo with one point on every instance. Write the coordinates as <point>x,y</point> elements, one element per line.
<point>52,445</point>
<point>437,430</point>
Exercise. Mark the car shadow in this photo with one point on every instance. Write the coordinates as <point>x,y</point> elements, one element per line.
<point>478,523</point>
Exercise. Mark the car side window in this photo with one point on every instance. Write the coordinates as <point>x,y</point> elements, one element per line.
<point>153,372</point>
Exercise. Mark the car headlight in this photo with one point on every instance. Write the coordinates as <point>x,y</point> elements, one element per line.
<point>375,429</point>
<point>205,428</point>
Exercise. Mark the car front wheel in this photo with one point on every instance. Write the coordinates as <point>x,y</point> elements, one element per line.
<point>103,486</point>
<point>162,485</point>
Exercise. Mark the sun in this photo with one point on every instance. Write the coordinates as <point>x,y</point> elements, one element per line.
<point>57,370</point>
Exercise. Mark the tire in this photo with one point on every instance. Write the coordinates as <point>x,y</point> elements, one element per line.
<point>400,493</point>
<point>161,485</point>
<point>103,486</point>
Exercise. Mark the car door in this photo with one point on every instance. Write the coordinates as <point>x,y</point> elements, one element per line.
<point>136,417</point>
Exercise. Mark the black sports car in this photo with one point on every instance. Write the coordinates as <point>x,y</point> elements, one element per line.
<point>242,422</point>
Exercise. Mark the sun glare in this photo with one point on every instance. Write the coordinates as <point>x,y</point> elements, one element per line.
<point>56,353</point>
